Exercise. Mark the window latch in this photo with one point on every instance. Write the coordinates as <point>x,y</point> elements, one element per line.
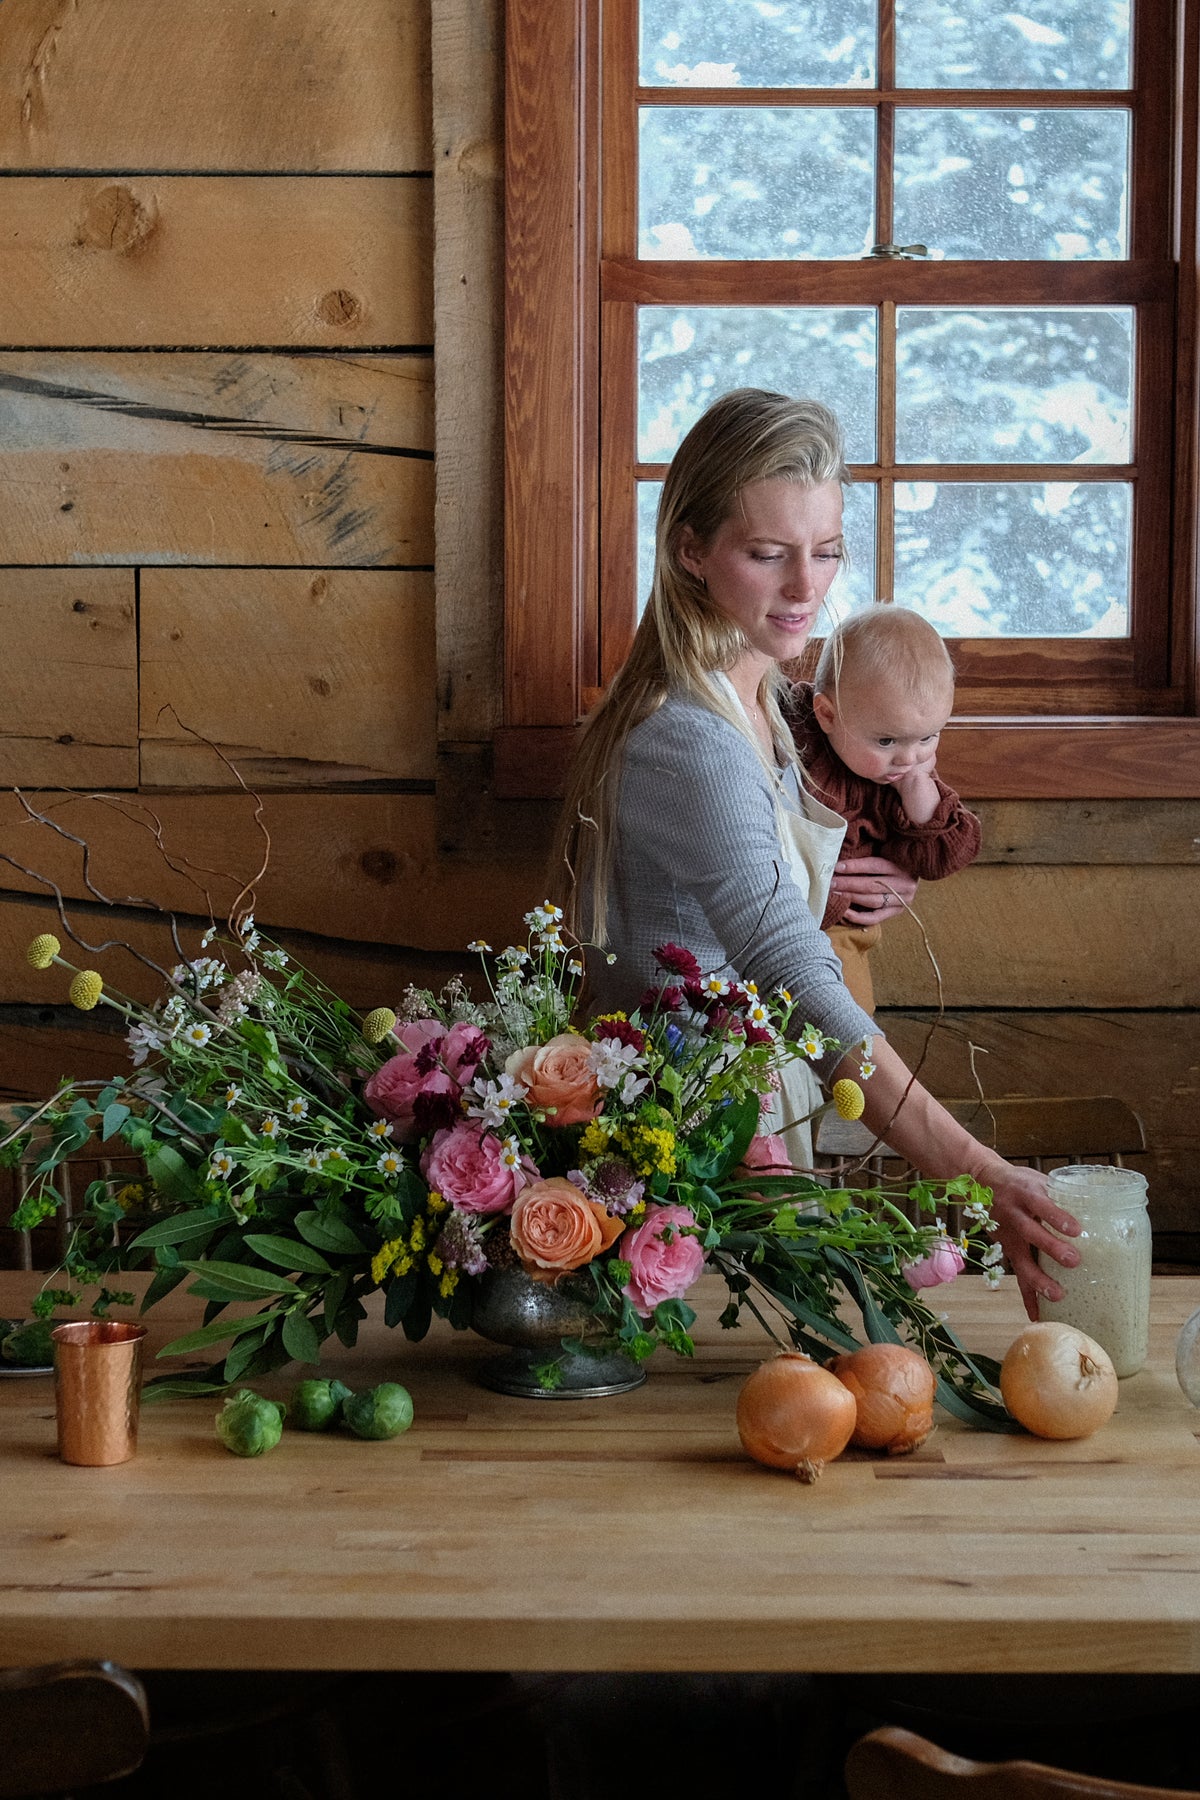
<point>898,252</point>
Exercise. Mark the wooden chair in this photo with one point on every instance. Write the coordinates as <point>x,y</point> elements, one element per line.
<point>894,1764</point>
<point>69,1726</point>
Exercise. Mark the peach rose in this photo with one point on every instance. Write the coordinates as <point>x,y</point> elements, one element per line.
<point>559,1079</point>
<point>555,1228</point>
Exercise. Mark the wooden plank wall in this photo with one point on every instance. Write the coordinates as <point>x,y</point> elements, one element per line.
<point>234,234</point>
<point>217,510</point>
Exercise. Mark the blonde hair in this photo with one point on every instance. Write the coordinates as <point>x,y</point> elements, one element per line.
<point>683,640</point>
<point>884,646</point>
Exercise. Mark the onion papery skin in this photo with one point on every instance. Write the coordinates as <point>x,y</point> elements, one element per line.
<point>793,1414</point>
<point>893,1389</point>
<point>1057,1382</point>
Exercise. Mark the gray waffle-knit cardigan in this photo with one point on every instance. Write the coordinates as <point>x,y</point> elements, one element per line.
<point>697,862</point>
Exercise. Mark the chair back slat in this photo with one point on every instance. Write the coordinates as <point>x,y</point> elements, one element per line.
<point>894,1764</point>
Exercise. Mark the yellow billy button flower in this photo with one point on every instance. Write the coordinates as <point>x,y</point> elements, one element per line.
<point>86,989</point>
<point>378,1023</point>
<point>43,950</point>
<point>848,1098</point>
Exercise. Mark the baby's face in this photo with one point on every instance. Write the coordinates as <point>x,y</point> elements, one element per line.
<point>883,735</point>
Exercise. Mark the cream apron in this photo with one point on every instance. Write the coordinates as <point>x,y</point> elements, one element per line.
<point>811,843</point>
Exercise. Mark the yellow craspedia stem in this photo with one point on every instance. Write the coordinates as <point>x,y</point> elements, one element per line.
<point>43,950</point>
<point>848,1098</point>
<point>86,989</point>
<point>378,1023</point>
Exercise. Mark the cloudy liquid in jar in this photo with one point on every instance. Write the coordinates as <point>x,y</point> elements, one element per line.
<point>1107,1295</point>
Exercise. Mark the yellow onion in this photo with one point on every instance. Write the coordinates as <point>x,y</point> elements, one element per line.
<point>793,1414</point>
<point>1058,1383</point>
<point>893,1388</point>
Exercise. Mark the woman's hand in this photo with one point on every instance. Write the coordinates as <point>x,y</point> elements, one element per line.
<point>878,887</point>
<point>1022,1208</point>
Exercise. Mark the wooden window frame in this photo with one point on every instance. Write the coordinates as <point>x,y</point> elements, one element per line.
<point>553,565</point>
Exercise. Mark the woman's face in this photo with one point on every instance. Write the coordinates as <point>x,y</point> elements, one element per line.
<point>770,565</point>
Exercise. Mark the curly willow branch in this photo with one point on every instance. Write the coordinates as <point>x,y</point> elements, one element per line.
<point>249,890</point>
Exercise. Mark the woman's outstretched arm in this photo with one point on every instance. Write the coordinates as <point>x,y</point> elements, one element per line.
<point>924,1133</point>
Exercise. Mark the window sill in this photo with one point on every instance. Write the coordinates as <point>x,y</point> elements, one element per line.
<point>1031,758</point>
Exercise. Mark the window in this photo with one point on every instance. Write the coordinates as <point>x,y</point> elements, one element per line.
<point>956,224</point>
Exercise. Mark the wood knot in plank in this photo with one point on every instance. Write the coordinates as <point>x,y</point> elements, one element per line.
<point>382,866</point>
<point>339,307</point>
<point>113,218</point>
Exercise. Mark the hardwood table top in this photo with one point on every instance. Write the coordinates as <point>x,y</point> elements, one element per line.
<point>625,1533</point>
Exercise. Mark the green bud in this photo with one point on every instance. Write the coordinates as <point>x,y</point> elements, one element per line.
<point>383,1413</point>
<point>248,1425</point>
<point>316,1405</point>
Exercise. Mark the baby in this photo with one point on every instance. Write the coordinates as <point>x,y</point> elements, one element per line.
<point>866,729</point>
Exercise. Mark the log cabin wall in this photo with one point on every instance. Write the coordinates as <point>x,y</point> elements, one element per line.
<point>252,285</point>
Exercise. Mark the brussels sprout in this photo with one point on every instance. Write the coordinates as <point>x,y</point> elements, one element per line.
<point>383,1413</point>
<point>249,1425</point>
<point>316,1405</point>
<point>29,1346</point>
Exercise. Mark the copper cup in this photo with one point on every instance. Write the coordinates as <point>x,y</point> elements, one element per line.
<point>97,1390</point>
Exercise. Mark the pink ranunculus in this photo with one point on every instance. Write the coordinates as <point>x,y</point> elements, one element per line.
<point>943,1263</point>
<point>461,1051</point>
<point>412,1033</point>
<point>559,1079</point>
<point>660,1270</point>
<point>464,1165</point>
<point>393,1090</point>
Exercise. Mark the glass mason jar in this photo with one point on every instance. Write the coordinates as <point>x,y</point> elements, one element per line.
<point>1107,1295</point>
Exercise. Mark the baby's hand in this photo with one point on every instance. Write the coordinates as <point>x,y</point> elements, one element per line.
<point>917,790</point>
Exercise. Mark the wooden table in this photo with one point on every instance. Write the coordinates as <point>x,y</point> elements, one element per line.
<point>630,1533</point>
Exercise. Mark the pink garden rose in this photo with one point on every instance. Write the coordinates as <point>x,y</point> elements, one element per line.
<point>660,1270</point>
<point>464,1165</point>
<point>555,1228</point>
<point>943,1263</point>
<point>559,1079</point>
<point>418,1089</point>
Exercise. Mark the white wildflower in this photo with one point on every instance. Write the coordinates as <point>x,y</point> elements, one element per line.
<point>270,1126</point>
<point>631,1087</point>
<point>221,1166</point>
<point>712,984</point>
<point>610,1061</point>
<point>275,958</point>
<point>497,1099</point>
<point>208,937</point>
<point>510,1153</point>
<point>480,947</point>
<point>297,1107</point>
<point>992,1255</point>
<point>994,1276</point>
<point>314,1160</point>
<point>197,1034</point>
<point>389,1162</point>
<point>142,1039</point>
<point>233,1094</point>
<point>382,1128</point>
<point>866,1070</point>
<point>812,1043</point>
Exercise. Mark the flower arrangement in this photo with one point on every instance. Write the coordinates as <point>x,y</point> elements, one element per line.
<point>299,1156</point>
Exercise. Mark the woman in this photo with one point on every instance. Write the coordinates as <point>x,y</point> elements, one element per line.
<point>686,817</point>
